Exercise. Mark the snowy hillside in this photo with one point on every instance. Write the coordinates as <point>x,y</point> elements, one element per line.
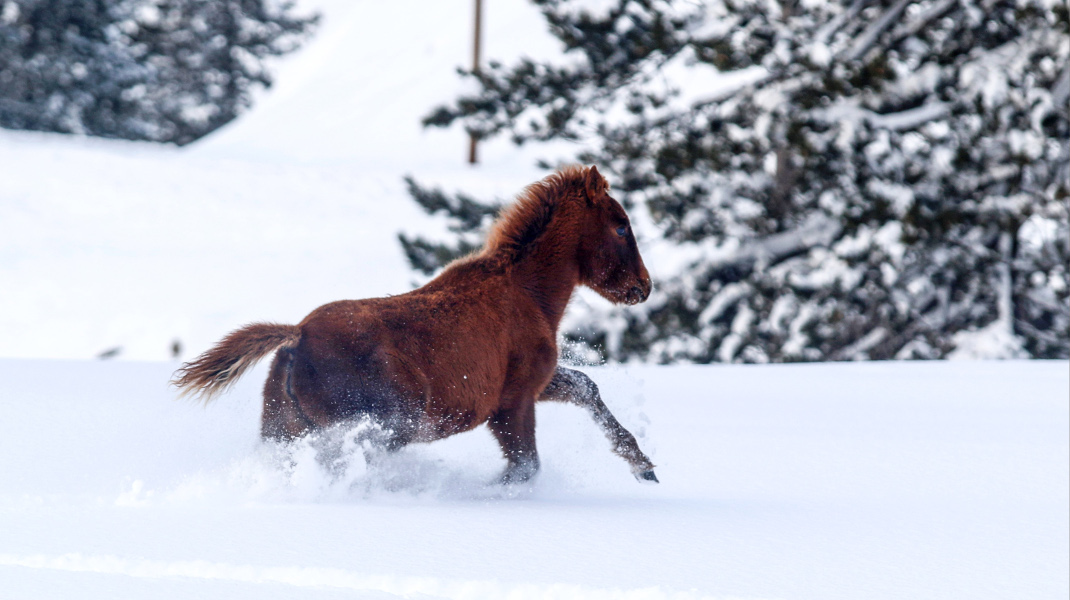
<point>908,480</point>
<point>109,244</point>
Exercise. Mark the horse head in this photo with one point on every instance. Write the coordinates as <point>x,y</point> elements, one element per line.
<point>609,257</point>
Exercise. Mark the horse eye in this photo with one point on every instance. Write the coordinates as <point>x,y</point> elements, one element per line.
<point>622,230</point>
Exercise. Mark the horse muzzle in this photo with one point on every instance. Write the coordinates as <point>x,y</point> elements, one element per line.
<point>639,292</point>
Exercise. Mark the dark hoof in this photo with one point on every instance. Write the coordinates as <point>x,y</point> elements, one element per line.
<point>647,477</point>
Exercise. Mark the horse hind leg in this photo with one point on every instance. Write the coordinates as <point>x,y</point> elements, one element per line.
<point>570,385</point>
<point>282,419</point>
<point>514,428</point>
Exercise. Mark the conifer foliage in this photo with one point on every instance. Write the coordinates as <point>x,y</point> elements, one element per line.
<point>159,70</point>
<point>815,179</point>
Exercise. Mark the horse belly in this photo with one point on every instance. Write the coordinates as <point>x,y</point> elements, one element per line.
<point>456,409</point>
<point>462,370</point>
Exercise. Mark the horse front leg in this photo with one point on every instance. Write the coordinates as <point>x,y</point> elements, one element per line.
<point>570,385</point>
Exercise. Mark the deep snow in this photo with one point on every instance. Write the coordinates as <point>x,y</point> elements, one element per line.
<point>936,480</point>
<point>889,480</point>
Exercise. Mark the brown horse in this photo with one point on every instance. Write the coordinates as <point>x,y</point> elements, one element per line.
<point>477,344</point>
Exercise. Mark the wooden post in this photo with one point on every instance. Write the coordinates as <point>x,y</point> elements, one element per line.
<point>472,158</point>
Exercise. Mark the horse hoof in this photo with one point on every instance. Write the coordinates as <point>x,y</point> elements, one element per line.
<point>647,477</point>
<point>519,473</point>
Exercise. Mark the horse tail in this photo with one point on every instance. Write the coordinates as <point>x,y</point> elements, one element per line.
<point>217,369</point>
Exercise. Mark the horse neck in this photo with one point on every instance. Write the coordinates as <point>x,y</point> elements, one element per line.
<point>549,273</point>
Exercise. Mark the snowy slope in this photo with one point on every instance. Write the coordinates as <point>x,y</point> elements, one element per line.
<point>297,203</point>
<point>917,480</point>
<point>357,93</point>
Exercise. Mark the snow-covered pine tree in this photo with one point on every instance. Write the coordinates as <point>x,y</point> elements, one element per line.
<point>817,179</point>
<point>159,70</point>
<point>208,55</point>
<point>62,68</point>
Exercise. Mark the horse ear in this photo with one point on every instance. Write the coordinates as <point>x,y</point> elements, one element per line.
<point>596,184</point>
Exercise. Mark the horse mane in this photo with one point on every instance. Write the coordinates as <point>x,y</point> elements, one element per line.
<point>519,225</point>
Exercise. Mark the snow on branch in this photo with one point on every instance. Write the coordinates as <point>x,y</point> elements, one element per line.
<point>935,11</point>
<point>819,230</point>
<point>870,35</point>
<point>900,121</point>
<point>909,119</point>
<point>835,24</point>
<point>1061,93</point>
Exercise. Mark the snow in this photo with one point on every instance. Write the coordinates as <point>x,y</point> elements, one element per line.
<point>919,480</point>
<point>869,36</point>
<point>997,339</point>
<point>700,83</point>
<point>993,341</point>
<point>863,480</point>
<point>904,120</point>
<point>108,244</point>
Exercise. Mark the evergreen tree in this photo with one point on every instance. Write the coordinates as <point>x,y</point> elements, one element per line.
<point>63,68</point>
<point>869,179</point>
<point>160,70</point>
